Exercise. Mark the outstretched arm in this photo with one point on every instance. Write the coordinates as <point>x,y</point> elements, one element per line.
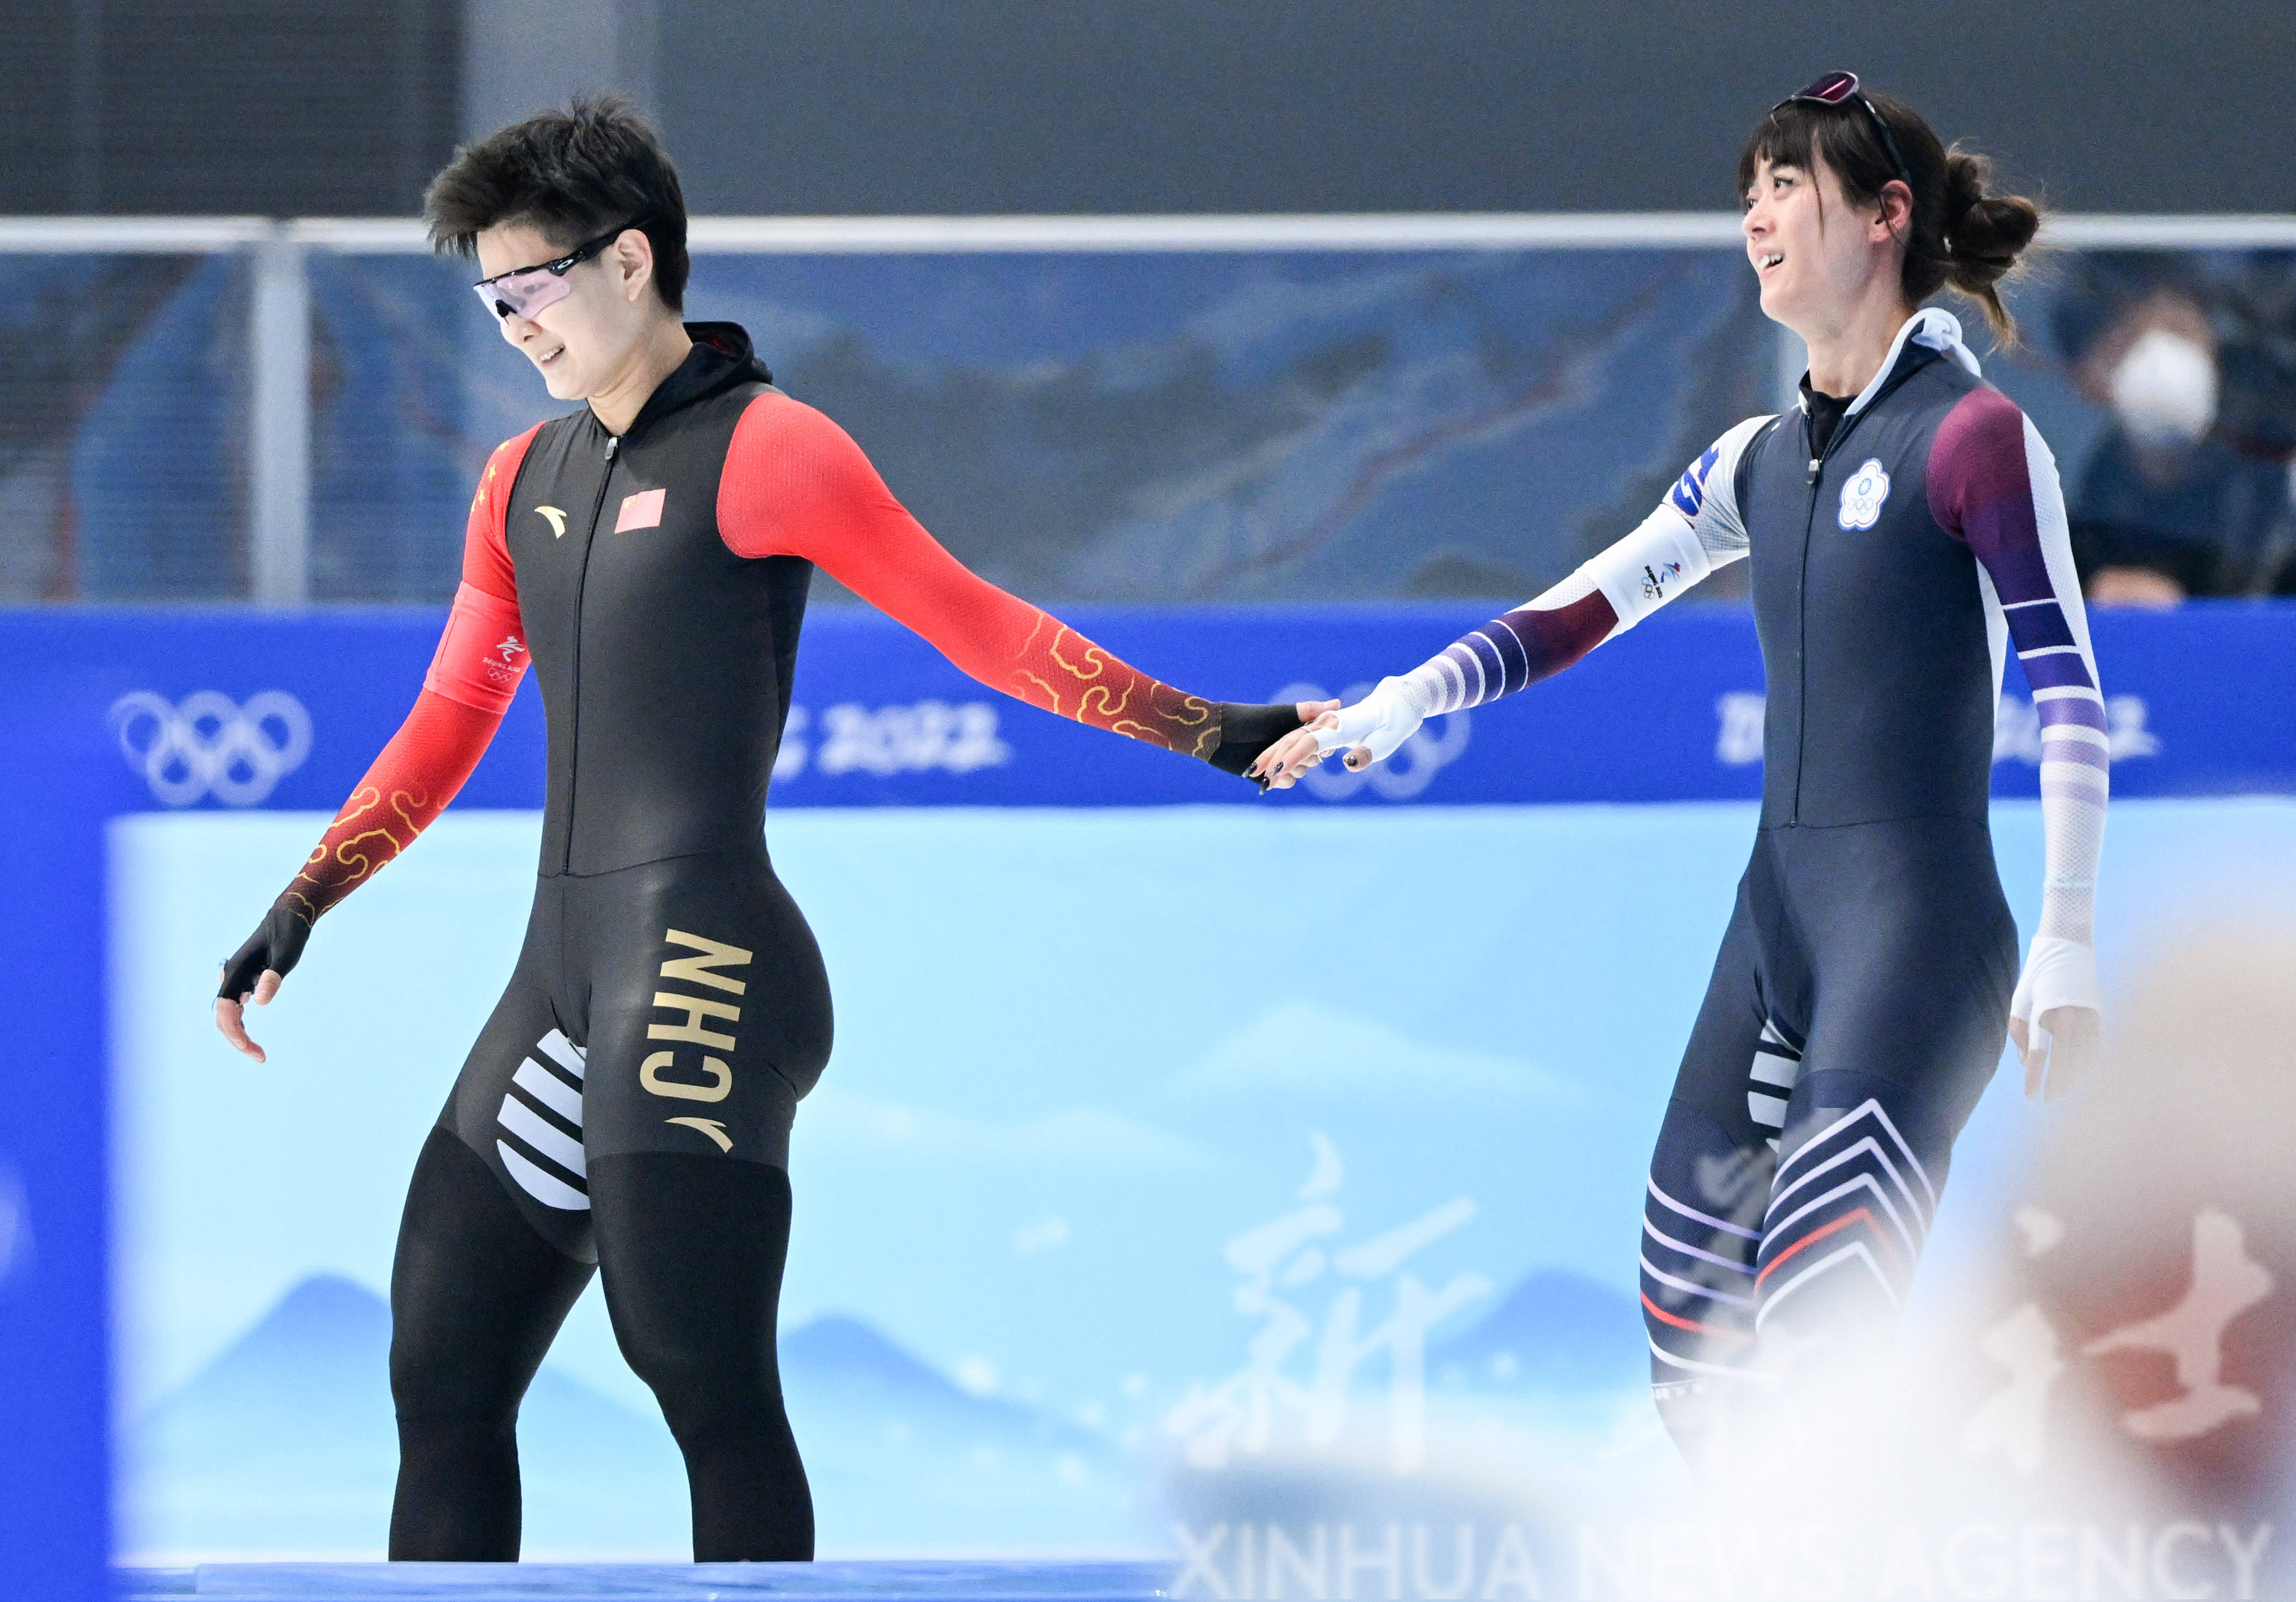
<point>796,485</point>
<point>1993,485</point>
<point>1694,530</point>
<point>474,674</point>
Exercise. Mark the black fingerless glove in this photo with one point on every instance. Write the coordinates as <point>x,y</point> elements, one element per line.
<point>276,944</point>
<point>1246,731</point>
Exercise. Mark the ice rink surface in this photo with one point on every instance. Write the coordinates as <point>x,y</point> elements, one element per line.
<point>880,1581</point>
<point>1078,1053</point>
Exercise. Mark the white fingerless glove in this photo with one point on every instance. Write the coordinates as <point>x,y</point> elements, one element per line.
<point>2058,973</point>
<point>1382,720</point>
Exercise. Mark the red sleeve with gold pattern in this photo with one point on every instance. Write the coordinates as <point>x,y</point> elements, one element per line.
<point>482,657</point>
<point>410,783</point>
<point>796,485</point>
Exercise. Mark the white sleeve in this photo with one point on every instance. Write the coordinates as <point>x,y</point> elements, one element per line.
<point>1695,530</point>
<point>1994,485</point>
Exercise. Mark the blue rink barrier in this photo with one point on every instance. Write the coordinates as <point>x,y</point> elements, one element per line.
<point>135,711</point>
<point>875,1582</point>
<point>105,714</point>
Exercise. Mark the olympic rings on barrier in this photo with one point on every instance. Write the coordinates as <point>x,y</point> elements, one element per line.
<point>1402,776</point>
<point>211,745</point>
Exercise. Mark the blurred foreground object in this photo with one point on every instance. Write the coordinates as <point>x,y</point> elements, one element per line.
<point>2161,1243</point>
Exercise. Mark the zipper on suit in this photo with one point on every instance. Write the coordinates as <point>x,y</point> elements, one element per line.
<point>581,586</point>
<point>1815,473</point>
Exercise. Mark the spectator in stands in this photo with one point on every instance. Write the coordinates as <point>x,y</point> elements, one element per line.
<point>2189,493</point>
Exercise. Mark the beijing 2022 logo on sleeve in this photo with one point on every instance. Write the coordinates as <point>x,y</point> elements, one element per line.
<point>1862,494</point>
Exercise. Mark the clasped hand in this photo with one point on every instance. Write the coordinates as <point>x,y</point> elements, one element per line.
<point>1370,731</point>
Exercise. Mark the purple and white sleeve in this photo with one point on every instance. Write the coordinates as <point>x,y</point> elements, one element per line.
<point>1993,485</point>
<point>1694,530</point>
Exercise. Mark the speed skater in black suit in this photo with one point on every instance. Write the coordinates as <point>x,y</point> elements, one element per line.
<point>627,1108</point>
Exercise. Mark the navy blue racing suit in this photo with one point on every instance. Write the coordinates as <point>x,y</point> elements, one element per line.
<point>1901,542</point>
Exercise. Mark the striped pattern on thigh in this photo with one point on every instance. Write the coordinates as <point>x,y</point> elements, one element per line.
<point>1697,1284</point>
<point>1778,1065</point>
<point>1852,1193</point>
<point>539,1129</point>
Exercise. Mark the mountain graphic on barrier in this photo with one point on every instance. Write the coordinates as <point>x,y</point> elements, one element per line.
<point>285,1445</point>
<point>1554,1331</point>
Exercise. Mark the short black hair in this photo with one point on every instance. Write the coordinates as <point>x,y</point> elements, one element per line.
<point>574,175</point>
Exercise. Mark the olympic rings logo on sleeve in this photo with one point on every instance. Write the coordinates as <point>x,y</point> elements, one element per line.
<point>1402,776</point>
<point>210,744</point>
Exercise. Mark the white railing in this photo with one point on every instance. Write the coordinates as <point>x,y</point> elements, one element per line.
<point>279,440</point>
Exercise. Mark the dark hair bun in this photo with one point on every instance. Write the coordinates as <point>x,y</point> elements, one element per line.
<point>1985,233</point>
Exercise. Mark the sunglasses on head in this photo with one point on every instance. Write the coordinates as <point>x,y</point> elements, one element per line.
<point>528,290</point>
<point>1835,88</point>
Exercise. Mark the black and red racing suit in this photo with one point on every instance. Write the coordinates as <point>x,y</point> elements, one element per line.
<point>669,1005</point>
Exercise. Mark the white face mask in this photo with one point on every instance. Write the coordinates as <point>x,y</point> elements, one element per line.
<point>2165,391</point>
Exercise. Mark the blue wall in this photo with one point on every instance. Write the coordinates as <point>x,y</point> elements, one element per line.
<point>889,727</point>
<point>1648,719</point>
